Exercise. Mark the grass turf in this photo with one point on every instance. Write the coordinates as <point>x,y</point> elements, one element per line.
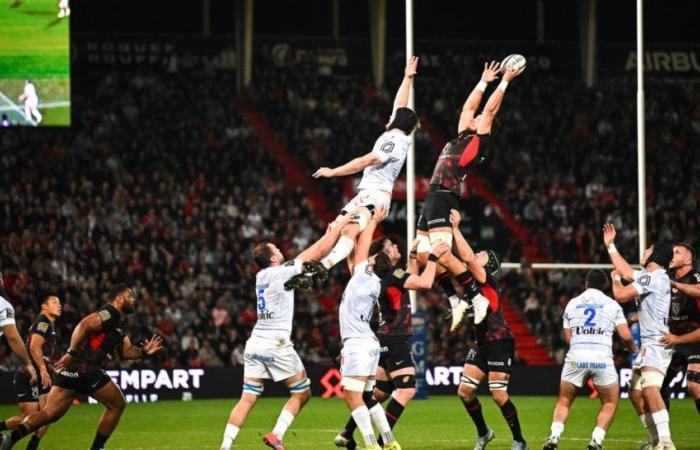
<point>35,44</point>
<point>438,423</point>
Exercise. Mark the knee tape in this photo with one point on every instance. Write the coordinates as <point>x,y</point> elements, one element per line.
<point>498,385</point>
<point>300,386</point>
<point>693,376</point>
<point>441,236</point>
<point>407,381</point>
<point>369,386</point>
<point>652,379</point>
<point>361,219</point>
<point>384,386</point>
<point>351,384</point>
<point>423,243</point>
<point>470,382</point>
<point>636,382</point>
<point>253,388</point>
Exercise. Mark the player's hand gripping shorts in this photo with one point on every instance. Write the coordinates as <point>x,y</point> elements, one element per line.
<point>273,359</point>
<point>367,198</point>
<point>582,365</point>
<point>359,357</point>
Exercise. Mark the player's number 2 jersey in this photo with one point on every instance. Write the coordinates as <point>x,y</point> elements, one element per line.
<point>358,301</point>
<point>7,314</point>
<point>275,305</point>
<point>592,318</point>
<point>391,148</point>
<point>653,304</point>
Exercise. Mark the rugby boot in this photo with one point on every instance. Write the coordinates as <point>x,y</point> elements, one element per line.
<point>550,444</point>
<point>343,441</point>
<point>482,441</point>
<point>273,441</point>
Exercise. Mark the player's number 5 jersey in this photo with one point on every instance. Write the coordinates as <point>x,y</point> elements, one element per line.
<point>391,148</point>
<point>275,305</point>
<point>653,304</point>
<point>592,318</point>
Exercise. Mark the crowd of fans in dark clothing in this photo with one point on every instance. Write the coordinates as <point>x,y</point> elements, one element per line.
<point>162,184</point>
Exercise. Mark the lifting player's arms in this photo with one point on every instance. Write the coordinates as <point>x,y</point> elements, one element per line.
<point>381,167</point>
<point>456,160</point>
<point>8,327</point>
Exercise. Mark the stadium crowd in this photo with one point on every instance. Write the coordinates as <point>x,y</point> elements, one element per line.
<point>174,201</point>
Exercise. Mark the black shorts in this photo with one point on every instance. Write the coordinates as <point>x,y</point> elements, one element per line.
<point>496,356</point>
<point>685,354</point>
<point>395,353</point>
<point>81,382</point>
<point>27,392</point>
<point>436,210</point>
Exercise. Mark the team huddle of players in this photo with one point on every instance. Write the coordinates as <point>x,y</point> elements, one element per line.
<point>376,360</point>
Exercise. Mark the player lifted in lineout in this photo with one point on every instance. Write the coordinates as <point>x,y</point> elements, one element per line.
<point>380,169</point>
<point>457,159</point>
<point>269,352</point>
<point>651,288</point>
<point>31,103</point>
<point>81,370</point>
<point>396,373</point>
<point>41,342</point>
<point>495,346</point>
<point>589,322</point>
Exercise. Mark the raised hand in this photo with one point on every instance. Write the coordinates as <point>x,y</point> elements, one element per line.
<point>153,345</point>
<point>455,218</point>
<point>440,249</point>
<point>411,67</point>
<point>609,234</point>
<point>323,172</point>
<point>509,73</point>
<point>490,71</point>
<point>380,213</point>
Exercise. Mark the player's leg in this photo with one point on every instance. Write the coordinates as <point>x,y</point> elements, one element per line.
<point>567,395</point>
<point>252,390</point>
<point>38,434</point>
<point>27,111</point>
<point>652,379</point>
<point>472,375</point>
<point>354,388</point>
<point>300,393</point>
<point>25,408</point>
<point>609,396</point>
<point>693,377</point>
<point>37,114</point>
<point>498,385</point>
<point>348,235</point>
<point>637,400</point>
<point>404,383</point>
<point>112,399</point>
<point>58,402</point>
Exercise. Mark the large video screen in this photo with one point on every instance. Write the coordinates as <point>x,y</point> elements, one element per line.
<point>35,63</point>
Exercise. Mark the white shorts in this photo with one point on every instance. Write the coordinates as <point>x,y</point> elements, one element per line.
<point>582,365</point>
<point>359,357</point>
<point>273,359</point>
<point>656,356</point>
<point>368,197</point>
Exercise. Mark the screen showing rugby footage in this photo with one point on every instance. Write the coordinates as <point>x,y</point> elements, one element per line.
<point>35,63</point>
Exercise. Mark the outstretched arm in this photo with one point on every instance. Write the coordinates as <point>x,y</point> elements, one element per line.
<point>621,266</point>
<point>353,166</point>
<point>425,279</point>
<point>130,351</point>
<point>688,338</point>
<point>401,99</point>
<point>464,250</point>
<point>692,290</point>
<point>320,248</point>
<point>494,102</point>
<point>474,99</point>
<point>365,239</point>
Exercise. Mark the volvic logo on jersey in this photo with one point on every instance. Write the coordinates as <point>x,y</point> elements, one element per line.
<point>584,330</point>
<point>266,315</point>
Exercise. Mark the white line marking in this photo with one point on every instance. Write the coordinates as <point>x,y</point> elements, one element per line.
<point>47,105</point>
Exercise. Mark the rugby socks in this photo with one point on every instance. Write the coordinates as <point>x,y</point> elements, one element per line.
<point>379,419</point>
<point>697,405</point>
<point>18,433</point>
<point>511,415</point>
<point>445,282</point>
<point>661,420</point>
<point>364,423</point>
<point>99,442</point>
<point>230,433</point>
<point>471,289</point>
<point>557,430</point>
<point>598,435</point>
<point>33,443</point>
<point>283,422</point>
<point>369,400</point>
<point>3,426</point>
<point>648,423</point>
<point>474,409</point>
<point>394,409</point>
<point>340,251</point>
<point>350,427</point>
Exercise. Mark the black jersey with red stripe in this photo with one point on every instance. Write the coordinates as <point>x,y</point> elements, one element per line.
<point>97,348</point>
<point>457,159</point>
<point>494,326</point>
<point>684,314</point>
<point>43,327</point>
<point>394,305</point>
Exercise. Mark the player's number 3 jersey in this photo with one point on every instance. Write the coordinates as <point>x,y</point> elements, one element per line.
<point>653,304</point>
<point>391,148</point>
<point>358,301</point>
<point>275,305</point>
<point>7,314</point>
<point>592,318</point>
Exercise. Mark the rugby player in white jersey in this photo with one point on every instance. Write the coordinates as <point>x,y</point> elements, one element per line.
<point>651,287</point>
<point>589,322</point>
<point>31,102</point>
<point>380,168</point>
<point>269,353</point>
<point>8,328</point>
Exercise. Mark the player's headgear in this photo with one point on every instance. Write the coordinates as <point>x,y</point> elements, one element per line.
<point>493,265</point>
<point>262,253</point>
<point>116,290</point>
<point>690,249</point>
<point>596,279</point>
<point>661,254</point>
<point>405,119</point>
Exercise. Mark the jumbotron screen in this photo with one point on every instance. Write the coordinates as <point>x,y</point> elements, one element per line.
<point>35,63</point>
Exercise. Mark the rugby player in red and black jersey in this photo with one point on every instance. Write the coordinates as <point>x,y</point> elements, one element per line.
<point>495,346</point>
<point>80,370</point>
<point>684,318</point>
<point>459,157</point>
<point>41,342</point>
<point>396,374</point>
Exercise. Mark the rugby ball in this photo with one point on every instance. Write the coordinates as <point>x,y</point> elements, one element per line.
<point>514,61</point>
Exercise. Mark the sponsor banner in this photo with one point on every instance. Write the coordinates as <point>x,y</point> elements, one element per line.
<point>419,347</point>
<point>659,61</point>
<point>151,385</point>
